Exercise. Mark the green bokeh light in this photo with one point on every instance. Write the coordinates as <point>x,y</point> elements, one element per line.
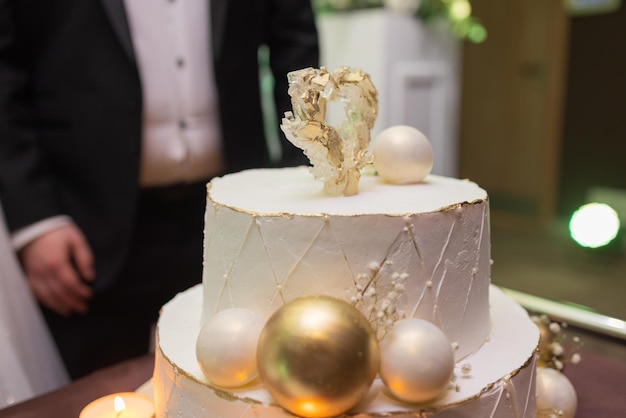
<point>594,225</point>
<point>477,33</point>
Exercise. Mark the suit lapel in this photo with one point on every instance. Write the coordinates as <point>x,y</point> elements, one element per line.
<point>117,15</point>
<point>218,25</point>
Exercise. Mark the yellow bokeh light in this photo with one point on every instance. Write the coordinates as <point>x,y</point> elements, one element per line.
<point>460,9</point>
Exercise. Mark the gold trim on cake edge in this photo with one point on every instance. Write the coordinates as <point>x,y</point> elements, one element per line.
<point>229,397</point>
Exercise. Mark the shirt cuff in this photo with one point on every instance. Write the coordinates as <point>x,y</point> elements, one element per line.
<point>26,235</point>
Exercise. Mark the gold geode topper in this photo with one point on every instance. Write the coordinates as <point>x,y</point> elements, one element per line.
<point>337,154</point>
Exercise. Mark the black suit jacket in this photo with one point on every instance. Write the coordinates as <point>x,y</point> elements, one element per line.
<point>71,105</point>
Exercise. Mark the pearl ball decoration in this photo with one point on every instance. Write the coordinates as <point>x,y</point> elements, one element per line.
<point>317,356</point>
<point>555,394</point>
<point>402,155</point>
<point>226,347</point>
<point>416,360</point>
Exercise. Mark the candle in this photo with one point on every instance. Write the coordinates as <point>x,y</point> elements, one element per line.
<point>120,405</point>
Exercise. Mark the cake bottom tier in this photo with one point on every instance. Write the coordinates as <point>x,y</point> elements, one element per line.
<point>497,381</point>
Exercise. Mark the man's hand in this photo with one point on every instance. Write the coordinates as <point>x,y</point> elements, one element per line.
<point>55,265</point>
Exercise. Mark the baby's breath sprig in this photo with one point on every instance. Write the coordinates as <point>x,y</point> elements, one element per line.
<point>556,347</point>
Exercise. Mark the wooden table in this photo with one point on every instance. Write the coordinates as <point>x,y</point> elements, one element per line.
<point>68,401</point>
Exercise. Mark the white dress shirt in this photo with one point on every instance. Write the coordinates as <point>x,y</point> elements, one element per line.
<point>181,139</point>
<point>181,135</point>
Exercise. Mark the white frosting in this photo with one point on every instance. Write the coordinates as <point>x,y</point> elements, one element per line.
<point>422,249</point>
<point>294,191</point>
<point>418,251</point>
<point>497,381</point>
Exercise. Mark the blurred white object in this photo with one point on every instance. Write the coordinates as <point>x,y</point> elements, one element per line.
<point>403,6</point>
<point>30,362</point>
<point>414,66</point>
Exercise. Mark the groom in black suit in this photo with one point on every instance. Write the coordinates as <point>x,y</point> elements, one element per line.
<point>113,115</point>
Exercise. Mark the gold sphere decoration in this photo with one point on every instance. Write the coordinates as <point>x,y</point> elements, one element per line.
<point>546,339</point>
<point>317,356</point>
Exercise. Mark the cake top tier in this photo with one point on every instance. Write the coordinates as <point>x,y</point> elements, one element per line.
<point>295,191</point>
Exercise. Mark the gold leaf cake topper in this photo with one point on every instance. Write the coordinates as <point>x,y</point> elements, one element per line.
<point>336,153</point>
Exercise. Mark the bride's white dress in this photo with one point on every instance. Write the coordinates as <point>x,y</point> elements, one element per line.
<point>30,363</point>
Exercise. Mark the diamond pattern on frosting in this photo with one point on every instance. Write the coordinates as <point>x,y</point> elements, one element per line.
<point>426,266</point>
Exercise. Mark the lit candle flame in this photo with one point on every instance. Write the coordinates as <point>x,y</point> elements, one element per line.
<point>119,405</point>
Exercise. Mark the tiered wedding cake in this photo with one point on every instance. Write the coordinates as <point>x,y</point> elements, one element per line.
<point>390,252</point>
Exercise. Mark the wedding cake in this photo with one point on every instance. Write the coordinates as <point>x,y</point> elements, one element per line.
<point>403,260</point>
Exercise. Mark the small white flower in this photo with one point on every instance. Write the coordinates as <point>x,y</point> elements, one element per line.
<point>557,349</point>
<point>466,369</point>
<point>555,328</point>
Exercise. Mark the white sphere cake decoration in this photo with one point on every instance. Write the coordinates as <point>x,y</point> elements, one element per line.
<point>417,360</point>
<point>556,395</point>
<point>402,155</point>
<point>226,347</point>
